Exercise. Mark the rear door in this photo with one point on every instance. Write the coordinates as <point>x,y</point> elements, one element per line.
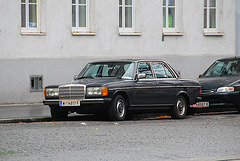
<point>167,83</point>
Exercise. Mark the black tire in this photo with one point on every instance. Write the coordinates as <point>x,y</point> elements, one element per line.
<point>117,110</point>
<point>179,110</point>
<point>57,114</point>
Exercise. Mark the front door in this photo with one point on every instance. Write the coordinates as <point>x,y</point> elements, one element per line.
<point>145,89</point>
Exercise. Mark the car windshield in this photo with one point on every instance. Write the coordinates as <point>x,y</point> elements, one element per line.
<point>223,68</point>
<point>109,69</point>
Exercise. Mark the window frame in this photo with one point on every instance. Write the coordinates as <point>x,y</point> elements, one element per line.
<point>40,83</point>
<point>217,31</point>
<point>125,29</point>
<point>167,16</point>
<point>178,29</point>
<point>208,8</point>
<point>29,29</point>
<point>78,29</point>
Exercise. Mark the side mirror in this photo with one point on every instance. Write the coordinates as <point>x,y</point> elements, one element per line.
<point>141,75</point>
<point>200,76</point>
<point>75,77</point>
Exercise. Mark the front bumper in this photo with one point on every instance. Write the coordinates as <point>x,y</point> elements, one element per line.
<point>83,101</point>
<point>87,106</point>
<point>221,99</point>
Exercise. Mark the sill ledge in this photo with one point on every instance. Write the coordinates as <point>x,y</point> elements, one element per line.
<point>33,33</point>
<point>83,33</point>
<point>173,33</point>
<point>130,33</point>
<point>207,33</point>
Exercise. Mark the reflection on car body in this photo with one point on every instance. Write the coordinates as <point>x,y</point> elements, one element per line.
<point>122,87</point>
<point>221,84</point>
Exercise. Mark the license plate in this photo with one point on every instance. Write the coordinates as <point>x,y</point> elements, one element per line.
<point>200,105</point>
<point>69,103</point>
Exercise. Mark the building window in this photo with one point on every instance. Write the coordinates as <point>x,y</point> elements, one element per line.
<point>212,17</point>
<point>210,14</point>
<point>172,17</point>
<point>80,15</point>
<point>30,15</point>
<point>169,14</point>
<point>126,15</point>
<point>36,83</point>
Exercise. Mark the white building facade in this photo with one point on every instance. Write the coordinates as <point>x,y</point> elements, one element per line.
<point>47,42</point>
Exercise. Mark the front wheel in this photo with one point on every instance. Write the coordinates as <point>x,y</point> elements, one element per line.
<point>57,114</point>
<point>179,110</point>
<point>117,109</point>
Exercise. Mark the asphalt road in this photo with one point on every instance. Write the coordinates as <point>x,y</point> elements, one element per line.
<point>213,136</point>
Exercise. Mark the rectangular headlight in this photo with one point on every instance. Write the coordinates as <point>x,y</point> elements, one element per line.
<point>51,92</point>
<point>94,91</point>
<point>97,91</point>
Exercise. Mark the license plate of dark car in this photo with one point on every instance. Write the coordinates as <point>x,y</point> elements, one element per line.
<point>200,105</point>
<point>69,103</point>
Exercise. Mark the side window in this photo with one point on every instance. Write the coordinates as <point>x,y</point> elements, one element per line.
<point>145,68</point>
<point>159,70</point>
<point>169,74</point>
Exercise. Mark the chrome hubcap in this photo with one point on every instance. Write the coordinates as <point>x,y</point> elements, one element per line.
<point>181,106</point>
<point>120,108</point>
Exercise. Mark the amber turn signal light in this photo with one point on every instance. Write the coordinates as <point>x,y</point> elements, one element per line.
<point>104,91</point>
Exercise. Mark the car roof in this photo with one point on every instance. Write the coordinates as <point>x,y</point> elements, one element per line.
<point>229,58</point>
<point>127,60</point>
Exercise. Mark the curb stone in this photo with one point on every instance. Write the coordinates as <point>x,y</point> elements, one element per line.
<point>25,120</point>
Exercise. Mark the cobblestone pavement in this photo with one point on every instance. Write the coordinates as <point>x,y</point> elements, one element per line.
<point>214,136</point>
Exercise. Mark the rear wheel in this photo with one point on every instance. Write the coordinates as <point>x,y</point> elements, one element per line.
<point>179,110</point>
<point>57,114</point>
<point>117,109</point>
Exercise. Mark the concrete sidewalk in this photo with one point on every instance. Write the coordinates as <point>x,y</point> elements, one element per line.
<point>24,113</point>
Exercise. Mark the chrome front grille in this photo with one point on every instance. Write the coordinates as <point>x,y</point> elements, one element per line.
<point>72,91</point>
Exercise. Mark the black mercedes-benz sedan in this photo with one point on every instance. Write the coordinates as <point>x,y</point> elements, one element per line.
<point>122,87</point>
<point>220,85</point>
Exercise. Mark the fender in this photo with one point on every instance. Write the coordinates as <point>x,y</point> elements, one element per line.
<point>124,93</point>
<point>186,95</point>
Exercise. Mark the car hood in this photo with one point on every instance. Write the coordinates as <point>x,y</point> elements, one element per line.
<point>212,83</point>
<point>99,81</point>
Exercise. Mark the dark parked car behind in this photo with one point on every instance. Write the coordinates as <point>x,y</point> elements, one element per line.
<point>220,84</point>
<point>122,87</point>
